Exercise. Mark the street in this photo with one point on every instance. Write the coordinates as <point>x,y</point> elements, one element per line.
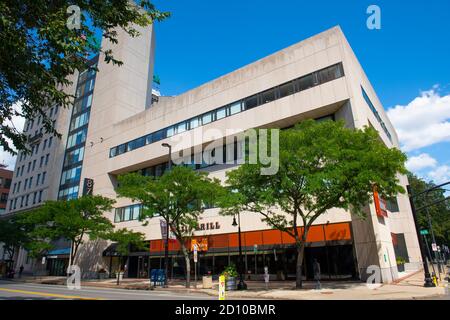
<point>27,291</point>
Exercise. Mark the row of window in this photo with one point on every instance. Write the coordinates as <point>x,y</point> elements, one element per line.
<point>5,183</point>
<point>74,156</point>
<point>30,124</point>
<point>278,92</point>
<point>28,182</point>
<point>77,138</point>
<point>128,213</point>
<point>70,176</point>
<point>375,112</point>
<point>32,165</point>
<point>35,148</point>
<point>68,193</point>
<point>79,121</point>
<point>24,201</point>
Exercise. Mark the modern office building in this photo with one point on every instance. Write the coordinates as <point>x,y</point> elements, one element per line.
<point>117,126</point>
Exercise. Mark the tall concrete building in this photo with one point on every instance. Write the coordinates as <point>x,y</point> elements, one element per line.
<point>122,131</point>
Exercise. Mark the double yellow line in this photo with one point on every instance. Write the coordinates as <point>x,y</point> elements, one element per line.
<point>45,294</point>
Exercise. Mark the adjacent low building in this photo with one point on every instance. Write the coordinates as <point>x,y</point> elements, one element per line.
<point>117,126</point>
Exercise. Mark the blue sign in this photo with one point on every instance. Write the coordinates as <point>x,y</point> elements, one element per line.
<point>157,276</point>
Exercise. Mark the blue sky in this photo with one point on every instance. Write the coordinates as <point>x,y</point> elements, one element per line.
<point>408,56</point>
<point>407,61</point>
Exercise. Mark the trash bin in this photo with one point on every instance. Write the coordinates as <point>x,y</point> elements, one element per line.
<point>207,282</point>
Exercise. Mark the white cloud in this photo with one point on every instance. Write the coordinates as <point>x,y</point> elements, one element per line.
<point>18,123</point>
<point>440,175</point>
<point>422,122</point>
<point>422,161</point>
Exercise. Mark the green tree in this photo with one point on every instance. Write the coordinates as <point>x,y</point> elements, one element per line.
<point>323,165</point>
<point>179,196</point>
<point>439,212</point>
<point>39,51</point>
<point>74,220</point>
<point>125,240</point>
<point>13,235</point>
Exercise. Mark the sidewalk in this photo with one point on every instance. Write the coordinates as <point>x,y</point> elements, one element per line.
<point>408,287</point>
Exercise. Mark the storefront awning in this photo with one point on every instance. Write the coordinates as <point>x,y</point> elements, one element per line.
<point>111,251</point>
<point>59,252</point>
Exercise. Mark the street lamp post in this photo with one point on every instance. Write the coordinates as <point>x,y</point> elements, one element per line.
<point>166,249</point>
<point>241,285</point>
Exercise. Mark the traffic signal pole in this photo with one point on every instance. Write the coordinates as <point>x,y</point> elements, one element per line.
<point>428,282</point>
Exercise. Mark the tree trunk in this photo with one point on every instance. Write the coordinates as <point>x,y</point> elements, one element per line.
<point>299,268</point>
<point>188,265</point>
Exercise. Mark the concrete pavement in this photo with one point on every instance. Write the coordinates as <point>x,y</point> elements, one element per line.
<point>410,286</point>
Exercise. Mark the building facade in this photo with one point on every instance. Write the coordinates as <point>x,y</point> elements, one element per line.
<point>122,126</point>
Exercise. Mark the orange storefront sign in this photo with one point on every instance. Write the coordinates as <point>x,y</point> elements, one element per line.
<point>202,244</point>
<point>380,204</point>
<point>317,233</point>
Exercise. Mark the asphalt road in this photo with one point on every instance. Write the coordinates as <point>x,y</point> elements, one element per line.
<point>27,291</point>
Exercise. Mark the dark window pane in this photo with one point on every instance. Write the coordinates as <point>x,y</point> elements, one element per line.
<point>286,89</point>
<point>392,205</point>
<point>268,96</point>
<point>121,149</point>
<point>329,74</point>
<point>305,83</point>
<point>251,102</point>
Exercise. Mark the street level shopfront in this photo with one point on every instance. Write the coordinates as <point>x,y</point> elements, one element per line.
<point>330,244</point>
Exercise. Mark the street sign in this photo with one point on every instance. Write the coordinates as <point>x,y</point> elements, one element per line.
<point>222,288</point>
<point>424,232</point>
<point>434,247</point>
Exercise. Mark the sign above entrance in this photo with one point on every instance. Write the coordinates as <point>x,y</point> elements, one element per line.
<point>200,244</point>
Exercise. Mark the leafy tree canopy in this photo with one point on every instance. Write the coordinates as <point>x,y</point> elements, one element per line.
<point>179,196</point>
<point>38,52</point>
<point>439,212</point>
<point>322,165</point>
<point>72,219</point>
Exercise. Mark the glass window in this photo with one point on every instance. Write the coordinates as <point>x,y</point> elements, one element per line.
<point>268,96</point>
<point>235,108</point>
<point>305,83</point>
<point>170,131</point>
<point>251,102</point>
<point>112,152</point>
<point>121,149</point>
<point>329,74</point>
<point>159,135</point>
<point>118,215</point>
<point>194,123</point>
<point>127,214</point>
<point>392,205</point>
<point>286,89</point>
<point>181,127</point>
<point>221,113</point>
<point>136,212</point>
<point>206,118</point>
